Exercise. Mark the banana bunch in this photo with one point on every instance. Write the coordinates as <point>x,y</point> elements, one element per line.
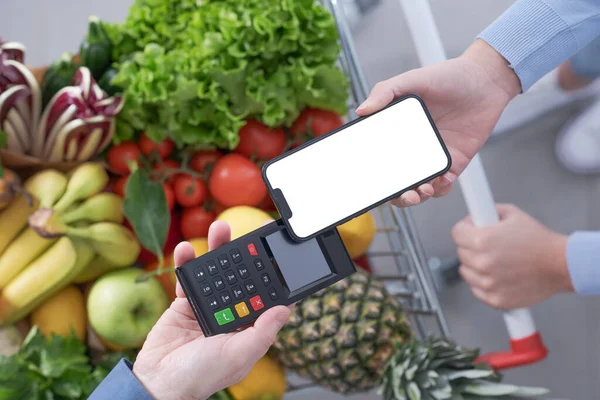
<point>63,229</point>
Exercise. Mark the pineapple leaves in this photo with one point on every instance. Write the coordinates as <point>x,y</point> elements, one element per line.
<point>438,369</point>
<point>413,391</point>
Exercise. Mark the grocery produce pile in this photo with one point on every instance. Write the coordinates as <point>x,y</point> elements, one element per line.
<point>153,129</point>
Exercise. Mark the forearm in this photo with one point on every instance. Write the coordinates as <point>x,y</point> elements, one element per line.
<point>535,36</point>
<point>583,261</point>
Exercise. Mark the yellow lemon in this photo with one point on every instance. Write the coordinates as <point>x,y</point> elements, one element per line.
<point>61,313</point>
<point>266,379</point>
<point>358,233</point>
<point>200,245</point>
<point>243,219</point>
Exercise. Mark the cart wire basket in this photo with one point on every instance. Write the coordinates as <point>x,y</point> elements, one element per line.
<point>396,254</point>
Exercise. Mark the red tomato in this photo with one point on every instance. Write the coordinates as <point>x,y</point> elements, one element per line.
<point>236,181</point>
<point>195,222</point>
<point>314,122</point>
<point>260,141</point>
<point>267,204</point>
<point>164,148</point>
<point>170,195</point>
<point>189,191</point>
<point>173,239</point>
<point>158,167</point>
<point>119,186</point>
<point>363,262</point>
<point>203,158</point>
<point>119,155</point>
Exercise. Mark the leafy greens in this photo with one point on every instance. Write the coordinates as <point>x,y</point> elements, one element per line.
<point>53,368</point>
<point>194,70</point>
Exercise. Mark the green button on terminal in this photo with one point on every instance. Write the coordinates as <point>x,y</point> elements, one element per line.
<point>224,316</point>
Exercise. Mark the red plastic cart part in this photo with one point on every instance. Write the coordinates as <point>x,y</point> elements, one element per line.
<point>525,351</point>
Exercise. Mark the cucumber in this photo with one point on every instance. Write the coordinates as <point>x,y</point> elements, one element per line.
<point>96,49</point>
<point>57,76</point>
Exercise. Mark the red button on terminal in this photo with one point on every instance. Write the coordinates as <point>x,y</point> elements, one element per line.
<point>256,303</point>
<point>252,249</point>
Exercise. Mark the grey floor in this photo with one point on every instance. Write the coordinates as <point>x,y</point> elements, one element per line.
<point>521,168</point>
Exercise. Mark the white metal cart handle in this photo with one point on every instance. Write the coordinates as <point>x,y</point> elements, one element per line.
<point>526,345</point>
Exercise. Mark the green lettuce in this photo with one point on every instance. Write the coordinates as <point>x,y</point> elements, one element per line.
<point>194,70</point>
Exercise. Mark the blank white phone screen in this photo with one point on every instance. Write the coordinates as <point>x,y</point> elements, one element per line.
<point>357,167</point>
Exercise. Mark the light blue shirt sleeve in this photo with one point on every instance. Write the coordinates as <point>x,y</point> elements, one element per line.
<point>536,36</point>
<point>583,260</point>
<point>120,384</point>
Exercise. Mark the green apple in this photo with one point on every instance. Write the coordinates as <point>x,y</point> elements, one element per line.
<point>123,311</point>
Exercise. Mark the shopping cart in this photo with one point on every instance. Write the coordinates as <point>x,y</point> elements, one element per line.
<point>397,256</point>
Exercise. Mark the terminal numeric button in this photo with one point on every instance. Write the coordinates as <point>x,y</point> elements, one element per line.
<point>243,271</point>
<point>273,294</point>
<point>200,273</point>
<point>219,284</point>
<point>236,256</point>
<point>211,267</point>
<point>206,289</point>
<point>258,264</point>
<point>250,288</point>
<point>225,298</point>
<point>224,261</point>
<point>237,292</point>
<point>212,302</point>
<point>266,280</point>
<point>230,276</point>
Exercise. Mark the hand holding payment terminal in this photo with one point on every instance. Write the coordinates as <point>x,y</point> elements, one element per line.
<point>316,187</point>
<point>229,287</point>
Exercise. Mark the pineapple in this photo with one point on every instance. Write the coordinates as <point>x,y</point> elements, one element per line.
<point>342,336</point>
<point>354,336</point>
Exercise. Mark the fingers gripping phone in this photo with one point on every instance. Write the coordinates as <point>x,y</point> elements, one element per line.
<point>359,166</point>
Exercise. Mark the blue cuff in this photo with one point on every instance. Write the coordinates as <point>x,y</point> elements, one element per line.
<point>533,38</point>
<point>583,260</point>
<point>120,383</point>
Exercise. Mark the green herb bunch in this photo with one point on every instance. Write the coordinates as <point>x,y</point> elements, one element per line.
<point>193,70</point>
<point>53,368</point>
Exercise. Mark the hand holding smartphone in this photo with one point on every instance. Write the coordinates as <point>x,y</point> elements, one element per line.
<point>359,166</point>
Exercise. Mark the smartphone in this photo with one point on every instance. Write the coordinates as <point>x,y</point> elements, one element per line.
<point>229,287</point>
<point>335,177</point>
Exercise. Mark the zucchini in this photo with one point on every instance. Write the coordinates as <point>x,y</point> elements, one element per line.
<point>96,49</point>
<point>57,76</point>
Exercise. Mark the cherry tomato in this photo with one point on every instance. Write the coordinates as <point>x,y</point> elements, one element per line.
<point>363,262</point>
<point>189,191</point>
<point>164,148</point>
<point>203,158</point>
<point>314,122</point>
<point>236,181</point>
<point>119,187</point>
<point>119,155</point>
<point>195,222</point>
<point>260,141</point>
<point>170,195</point>
<point>160,166</point>
<point>267,204</point>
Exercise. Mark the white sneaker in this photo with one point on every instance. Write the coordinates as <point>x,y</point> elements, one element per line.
<point>544,96</point>
<point>577,146</point>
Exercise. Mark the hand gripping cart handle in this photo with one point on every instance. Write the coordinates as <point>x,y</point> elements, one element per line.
<point>526,344</point>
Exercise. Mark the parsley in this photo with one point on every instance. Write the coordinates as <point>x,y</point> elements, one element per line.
<point>56,368</point>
